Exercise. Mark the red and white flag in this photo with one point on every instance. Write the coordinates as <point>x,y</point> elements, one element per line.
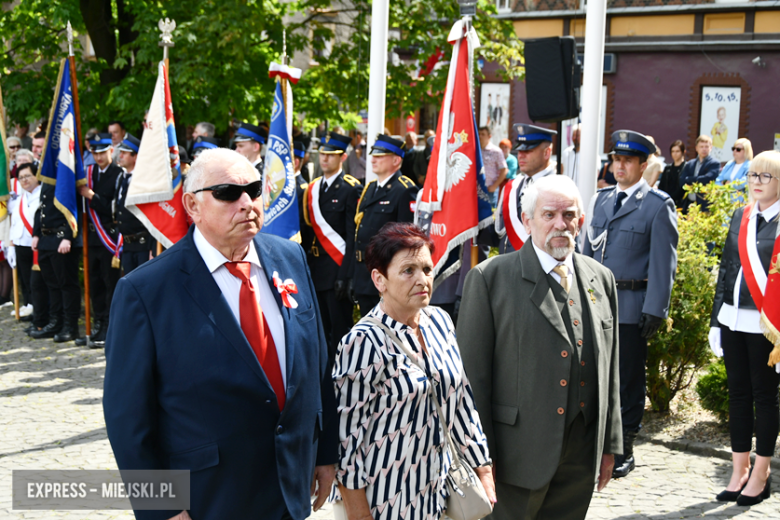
<point>454,203</point>
<point>155,192</point>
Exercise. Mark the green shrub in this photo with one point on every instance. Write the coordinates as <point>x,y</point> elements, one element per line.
<point>676,354</point>
<point>713,390</point>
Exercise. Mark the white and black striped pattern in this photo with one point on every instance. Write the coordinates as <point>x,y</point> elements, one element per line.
<point>391,442</point>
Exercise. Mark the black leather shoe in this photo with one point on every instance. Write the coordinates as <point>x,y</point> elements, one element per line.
<point>97,344</point>
<point>625,468</point>
<point>26,318</point>
<point>746,500</point>
<point>100,337</point>
<point>49,331</point>
<point>29,329</point>
<point>81,342</point>
<point>66,335</point>
<point>731,496</point>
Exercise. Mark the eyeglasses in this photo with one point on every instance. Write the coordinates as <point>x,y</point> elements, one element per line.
<point>25,177</point>
<point>735,149</point>
<point>14,147</point>
<point>232,192</point>
<point>760,178</point>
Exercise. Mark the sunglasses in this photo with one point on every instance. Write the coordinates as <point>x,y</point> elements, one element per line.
<point>14,147</point>
<point>735,149</point>
<point>232,192</point>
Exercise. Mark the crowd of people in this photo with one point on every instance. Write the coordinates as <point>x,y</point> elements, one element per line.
<point>235,354</point>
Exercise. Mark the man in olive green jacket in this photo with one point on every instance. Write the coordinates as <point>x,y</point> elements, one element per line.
<point>537,332</point>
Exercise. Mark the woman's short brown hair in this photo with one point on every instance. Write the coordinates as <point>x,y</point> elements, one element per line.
<point>392,238</point>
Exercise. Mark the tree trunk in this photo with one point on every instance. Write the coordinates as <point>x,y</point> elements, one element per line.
<point>102,29</point>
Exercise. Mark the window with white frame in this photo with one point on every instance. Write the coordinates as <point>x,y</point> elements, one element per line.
<point>504,6</point>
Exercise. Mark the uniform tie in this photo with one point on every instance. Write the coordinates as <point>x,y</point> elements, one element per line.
<point>257,333</point>
<point>621,196</point>
<point>563,271</point>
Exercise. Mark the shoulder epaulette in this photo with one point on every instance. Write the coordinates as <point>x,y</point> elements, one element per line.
<point>304,185</point>
<point>659,193</point>
<point>406,181</point>
<point>349,179</point>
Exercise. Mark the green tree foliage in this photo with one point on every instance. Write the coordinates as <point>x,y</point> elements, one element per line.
<point>219,66</point>
<point>713,390</point>
<point>675,355</point>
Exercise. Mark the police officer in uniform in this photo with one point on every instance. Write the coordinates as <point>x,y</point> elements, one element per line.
<point>337,201</point>
<point>138,243</point>
<point>203,143</point>
<point>633,231</point>
<point>249,141</point>
<point>104,264</point>
<point>59,252</point>
<point>534,150</point>
<point>389,198</point>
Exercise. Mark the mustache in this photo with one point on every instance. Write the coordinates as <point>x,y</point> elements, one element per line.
<point>554,234</point>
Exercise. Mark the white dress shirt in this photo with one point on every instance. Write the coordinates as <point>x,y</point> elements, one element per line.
<point>731,316</point>
<point>231,288</point>
<point>549,263</point>
<point>629,191</point>
<point>330,180</point>
<point>27,202</point>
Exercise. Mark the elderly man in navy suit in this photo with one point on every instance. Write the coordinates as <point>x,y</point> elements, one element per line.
<point>217,361</point>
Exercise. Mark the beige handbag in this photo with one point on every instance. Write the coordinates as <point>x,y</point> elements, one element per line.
<point>468,500</point>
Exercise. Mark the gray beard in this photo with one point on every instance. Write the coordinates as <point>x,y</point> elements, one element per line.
<point>559,252</point>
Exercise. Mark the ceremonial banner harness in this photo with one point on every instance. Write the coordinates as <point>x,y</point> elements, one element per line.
<point>115,248</point>
<point>29,228</point>
<point>513,226</point>
<point>331,241</point>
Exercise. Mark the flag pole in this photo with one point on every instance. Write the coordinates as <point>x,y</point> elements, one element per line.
<point>16,290</point>
<point>467,23</point>
<point>84,218</point>
<point>166,28</point>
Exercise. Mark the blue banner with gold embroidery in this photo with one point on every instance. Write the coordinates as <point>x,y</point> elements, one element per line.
<point>280,203</point>
<point>61,160</point>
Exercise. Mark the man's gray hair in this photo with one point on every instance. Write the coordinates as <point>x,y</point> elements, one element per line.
<point>558,184</point>
<point>207,129</point>
<point>14,139</point>
<point>211,159</point>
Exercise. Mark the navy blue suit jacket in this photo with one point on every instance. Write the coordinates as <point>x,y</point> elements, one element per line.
<point>708,172</point>
<point>183,389</point>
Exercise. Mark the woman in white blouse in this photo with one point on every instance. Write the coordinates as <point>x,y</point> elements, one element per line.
<point>22,208</point>
<point>736,333</point>
<point>393,455</point>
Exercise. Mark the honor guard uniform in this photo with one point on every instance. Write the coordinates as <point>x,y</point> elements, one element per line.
<point>389,198</point>
<point>137,243</point>
<point>59,270</point>
<point>632,229</point>
<point>534,143</point>
<point>203,143</point>
<point>329,204</point>
<point>249,141</point>
<point>104,240</point>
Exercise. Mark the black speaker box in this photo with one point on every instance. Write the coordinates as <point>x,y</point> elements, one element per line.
<point>552,79</point>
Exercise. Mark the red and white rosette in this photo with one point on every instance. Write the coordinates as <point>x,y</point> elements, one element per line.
<point>286,288</point>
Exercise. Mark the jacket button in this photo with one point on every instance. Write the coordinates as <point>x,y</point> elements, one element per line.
<point>582,404</point>
<point>563,382</point>
<point>560,411</point>
<point>564,353</point>
<point>571,302</point>
<point>611,228</point>
<point>576,322</point>
<point>582,383</point>
<point>279,429</point>
<point>579,343</point>
<point>582,363</point>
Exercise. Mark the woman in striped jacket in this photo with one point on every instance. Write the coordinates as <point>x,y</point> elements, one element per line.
<point>394,456</point>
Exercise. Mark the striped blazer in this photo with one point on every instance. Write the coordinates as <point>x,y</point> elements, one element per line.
<point>391,441</point>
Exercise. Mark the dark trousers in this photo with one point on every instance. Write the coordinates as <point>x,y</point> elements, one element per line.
<point>61,275</point>
<point>40,299</point>
<point>336,318</point>
<point>633,379</point>
<point>132,259</point>
<point>24,262</point>
<point>102,281</point>
<point>567,496</point>
<point>366,302</point>
<point>751,383</point>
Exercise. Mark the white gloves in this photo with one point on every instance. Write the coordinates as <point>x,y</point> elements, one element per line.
<point>10,255</point>
<point>714,338</point>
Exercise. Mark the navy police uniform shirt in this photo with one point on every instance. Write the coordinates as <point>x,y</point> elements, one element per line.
<point>393,202</point>
<point>639,242</point>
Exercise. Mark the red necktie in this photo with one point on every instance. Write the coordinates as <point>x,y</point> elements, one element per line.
<point>257,333</point>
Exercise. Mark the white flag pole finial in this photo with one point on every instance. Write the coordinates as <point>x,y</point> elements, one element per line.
<point>166,26</point>
<point>69,31</point>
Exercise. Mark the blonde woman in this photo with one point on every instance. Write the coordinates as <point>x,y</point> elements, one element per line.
<point>736,170</point>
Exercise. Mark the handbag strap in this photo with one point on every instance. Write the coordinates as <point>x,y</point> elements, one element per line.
<point>400,343</point>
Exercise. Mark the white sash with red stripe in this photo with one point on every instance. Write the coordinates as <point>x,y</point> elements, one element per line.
<point>115,248</point>
<point>510,219</point>
<point>332,242</point>
<point>752,270</point>
<point>27,225</point>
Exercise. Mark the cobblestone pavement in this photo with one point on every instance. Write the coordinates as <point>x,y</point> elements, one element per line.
<point>51,418</point>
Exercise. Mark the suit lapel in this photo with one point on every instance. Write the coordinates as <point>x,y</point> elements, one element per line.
<point>205,292</point>
<point>542,295</point>
<point>587,278</point>
<point>271,262</point>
